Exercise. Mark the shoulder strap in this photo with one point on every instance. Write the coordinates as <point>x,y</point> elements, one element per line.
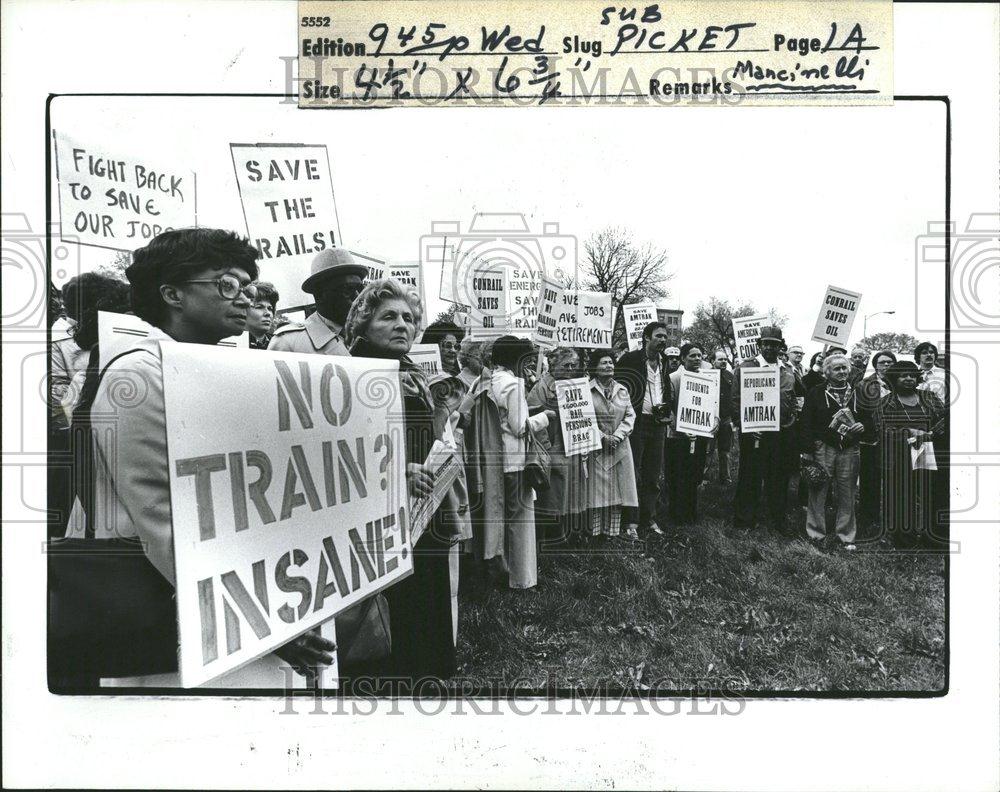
<point>84,461</point>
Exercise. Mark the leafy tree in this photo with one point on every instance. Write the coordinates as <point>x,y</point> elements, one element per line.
<point>117,266</point>
<point>892,342</point>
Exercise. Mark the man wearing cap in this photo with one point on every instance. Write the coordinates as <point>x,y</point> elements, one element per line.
<point>336,279</point>
<point>765,457</point>
<point>673,356</point>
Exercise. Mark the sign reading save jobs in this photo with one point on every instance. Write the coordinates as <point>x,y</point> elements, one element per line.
<point>290,211</point>
<point>286,511</point>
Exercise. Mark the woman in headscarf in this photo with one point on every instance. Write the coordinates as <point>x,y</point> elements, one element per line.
<point>914,498</point>
<point>560,510</point>
<point>830,433</point>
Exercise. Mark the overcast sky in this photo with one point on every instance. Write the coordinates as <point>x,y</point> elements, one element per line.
<point>769,205</point>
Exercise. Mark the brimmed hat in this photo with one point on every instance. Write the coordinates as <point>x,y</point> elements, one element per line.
<point>771,333</point>
<point>329,262</point>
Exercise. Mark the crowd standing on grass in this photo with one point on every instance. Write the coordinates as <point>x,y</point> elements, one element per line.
<point>850,439</point>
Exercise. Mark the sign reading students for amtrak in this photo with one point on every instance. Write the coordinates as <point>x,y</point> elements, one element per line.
<point>698,403</point>
<point>836,316</point>
<point>116,199</point>
<point>290,211</point>
<point>285,511</point>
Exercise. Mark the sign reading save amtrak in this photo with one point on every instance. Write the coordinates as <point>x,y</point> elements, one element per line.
<point>285,511</point>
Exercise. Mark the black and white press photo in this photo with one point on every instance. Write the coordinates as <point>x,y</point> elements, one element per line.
<point>432,371</point>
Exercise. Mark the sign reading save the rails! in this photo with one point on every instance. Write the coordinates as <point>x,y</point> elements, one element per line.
<point>285,511</point>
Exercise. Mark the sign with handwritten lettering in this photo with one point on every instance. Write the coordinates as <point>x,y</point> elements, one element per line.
<point>285,511</point>
<point>746,331</point>
<point>547,307</point>
<point>584,319</point>
<point>760,399</point>
<point>577,417</point>
<point>637,316</point>
<point>120,200</point>
<point>836,316</point>
<point>428,357</point>
<point>698,403</point>
<point>423,53</point>
<point>289,209</point>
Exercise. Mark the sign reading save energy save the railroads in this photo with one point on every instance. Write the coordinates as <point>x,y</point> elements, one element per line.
<point>287,510</point>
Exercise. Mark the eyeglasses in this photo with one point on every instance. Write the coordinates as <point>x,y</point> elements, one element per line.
<point>229,287</point>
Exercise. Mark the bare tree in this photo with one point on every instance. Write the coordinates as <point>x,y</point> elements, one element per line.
<point>627,271</point>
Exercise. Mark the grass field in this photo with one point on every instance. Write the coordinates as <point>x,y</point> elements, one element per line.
<point>717,607</point>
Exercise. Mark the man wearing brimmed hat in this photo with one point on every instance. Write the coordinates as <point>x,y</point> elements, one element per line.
<point>765,457</point>
<point>335,280</point>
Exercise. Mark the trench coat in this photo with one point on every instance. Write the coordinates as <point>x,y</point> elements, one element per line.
<point>611,474</point>
<point>567,493</point>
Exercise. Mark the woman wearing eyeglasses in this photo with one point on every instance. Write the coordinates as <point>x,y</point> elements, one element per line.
<point>192,285</point>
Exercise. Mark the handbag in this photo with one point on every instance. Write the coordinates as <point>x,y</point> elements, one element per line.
<point>814,473</point>
<point>363,632</point>
<point>536,467</point>
<point>110,611</point>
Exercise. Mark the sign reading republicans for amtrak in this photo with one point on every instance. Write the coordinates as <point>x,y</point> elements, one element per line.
<point>287,510</point>
<point>760,399</point>
<point>119,199</point>
<point>289,208</point>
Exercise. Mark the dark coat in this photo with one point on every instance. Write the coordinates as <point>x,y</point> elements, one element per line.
<point>630,371</point>
<point>818,412</point>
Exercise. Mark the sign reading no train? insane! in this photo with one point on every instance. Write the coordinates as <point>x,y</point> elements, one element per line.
<point>290,211</point>
<point>286,511</point>
<point>116,199</point>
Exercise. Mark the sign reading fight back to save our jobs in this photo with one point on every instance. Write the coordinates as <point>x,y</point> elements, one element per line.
<point>286,511</point>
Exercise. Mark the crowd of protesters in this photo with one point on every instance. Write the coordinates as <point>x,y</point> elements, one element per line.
<point>844,436</point>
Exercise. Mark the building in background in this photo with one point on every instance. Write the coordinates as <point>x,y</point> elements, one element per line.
<point>672,318</point>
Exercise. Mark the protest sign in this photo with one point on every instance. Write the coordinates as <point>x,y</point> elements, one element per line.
<point>117,333</point>
<point>116,199</point>
<point>698,403</point>
<point>290,212</point>
<point>287,510</point>
<point>446,465</point>
<point>760,399</point>
<point>411,275</point>
<point>549,299</point>
<point>584,319</point>
<point>836,316</point>
<point>746,331</point>
<point>376,266</point>
<point>637,316</point>
<point>428,357</point>
<point>488,317</point>
<point>576,415</point>
<point>523,284</point>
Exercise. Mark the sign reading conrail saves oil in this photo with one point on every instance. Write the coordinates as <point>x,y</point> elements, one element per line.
<point>586,52</point>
